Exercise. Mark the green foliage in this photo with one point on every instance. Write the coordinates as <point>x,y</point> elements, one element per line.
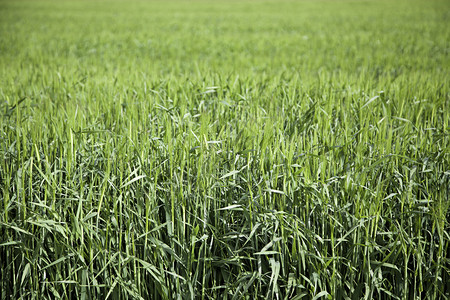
<point>224,149</point>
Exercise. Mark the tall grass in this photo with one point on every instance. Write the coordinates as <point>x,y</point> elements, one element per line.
<point>234,150</point>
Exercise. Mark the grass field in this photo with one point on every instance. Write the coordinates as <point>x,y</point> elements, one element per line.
<point>224,149</point>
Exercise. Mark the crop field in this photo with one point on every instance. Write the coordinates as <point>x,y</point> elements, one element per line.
<point>194,149</point>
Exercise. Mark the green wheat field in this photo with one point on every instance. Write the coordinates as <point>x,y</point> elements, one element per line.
<point>224,149</point>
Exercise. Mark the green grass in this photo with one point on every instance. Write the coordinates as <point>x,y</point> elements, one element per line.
<point>224,149</point>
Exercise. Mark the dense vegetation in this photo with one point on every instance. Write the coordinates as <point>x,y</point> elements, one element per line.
<point>224,149</point>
